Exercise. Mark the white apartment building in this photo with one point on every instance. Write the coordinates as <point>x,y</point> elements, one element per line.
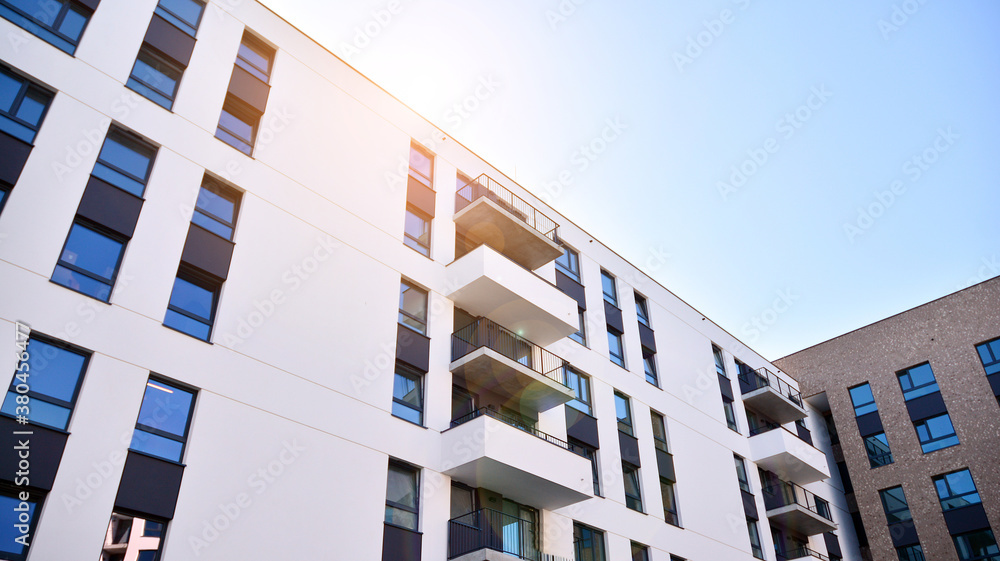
<point>257,308</point>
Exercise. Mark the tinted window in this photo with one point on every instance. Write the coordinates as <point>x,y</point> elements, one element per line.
<point>216,209</point>
<point>864,401</point>
<point>22,106</point>
<point>89,262</point>
<point>192,306</point>
<point>51,378</point>
<point>623,412</point>
<point>154,78</point>
<point>163,420</point>
<point>125,162</point>
<point>917,381</point>
<point>185,14</point>
<point>956,489</point>
<point>608,286</point>
<point>58,22</point>
<point>936,433</point>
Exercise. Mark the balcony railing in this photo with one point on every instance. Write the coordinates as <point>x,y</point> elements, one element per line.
<point>762,378</point>
<point>486,333</point>
<point>801,553</point>
<point>491,529</point>
<point>485,186</point>
<point>785,493</point>
<point>520,425</point>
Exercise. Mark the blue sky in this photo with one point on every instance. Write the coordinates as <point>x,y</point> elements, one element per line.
<point>793,171</point>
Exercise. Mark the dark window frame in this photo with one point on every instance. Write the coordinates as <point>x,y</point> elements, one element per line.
<point>415,471</point>
<point>720,361</point>
<point>133,515</point>
<point>206,282</point>
<point>179,22</point>
<point>917,391</point>
<point>142,85</point>
<point>932,443</point>
<point>631,473</point>
<point>964,537</point>
<point>943,478</point>
<point>224,191</point>
<point>879,459</point>
<point>994,355</point>
<point>412,286</point>
<point>628,423</point>
<point>414,243</point>
<point>580,336</point>
<point>613,297</point>
<point>642,309</point>
<point>671,512</point>
<point>27,86</point>
<point>895,514</point>
<point>741,473</point>
<point>35,496</point>
<point>585,401</point>
<point>754,533</point>
<point>415,375</point>
<point>133,142</point>
<point>729,410</point>
<point>659,423</point>
<point>598,547</point>
<point>640,552</point>
<point>618,359</point>
<point>258,46</point>
<point>414,173</point>
<point>247,115</point>
<point>572,268</point>
<point>173,384</point>
<point>862,408</point>
<point>33,395</point>
<point>49,32</point>
<point>107,233</point>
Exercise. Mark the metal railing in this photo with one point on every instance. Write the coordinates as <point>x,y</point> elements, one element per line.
<point>486,333</point>
<point>486,186</point>
<point>786,493</point>
<point>800,553</point>
<point>491,529</point>
<point>521,425</point>
<point>763,378</point>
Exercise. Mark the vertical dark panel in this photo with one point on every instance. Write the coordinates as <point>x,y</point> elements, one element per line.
<point>149,485</point>
<point>44,448</point>
<point>629,447</point>
<point>15,155</point>
<point>400,544</point>
<point>412,348</point>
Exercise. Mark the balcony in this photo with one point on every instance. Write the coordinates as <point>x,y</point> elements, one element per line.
<point>801,553</point>
<point>488,213</point>
<point>487,356</point>
<point>777,449</point>
<point>797,509</point>
<point>485,283</point>
<point>486,449</point>
<point>767,393</point>
<point>486,529</point>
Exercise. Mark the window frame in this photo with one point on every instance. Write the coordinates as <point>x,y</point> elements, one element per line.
<point>668,496</point>
<point>136,144</point>
<point>415,511</point>
<point>640,552</point>
<point>179,22</point>
<point>933,443</point>
<point>629,424</point>
<point>597,549</point>
<point>630,473</point>
<point>580,336</point>
<point>606,278</point>
<point>416,376</point>
<point>49,32</point>
<point>649,367</point>
<point>886,457</point>
<point>146,519</point>
<point>741,474</point>
<point>584,382</point>
<point>614,335</point>
<point>258,46</point>
<point>247,115</point>
<point>27,86</point>
<point>994,354</point>
<point>720,361</point>
<point>642,309</point>
<point>894,515</point>
<point>73,268</point>
<point>36,497</point>
<point>943,478</point>
<point>864,405</point>
<point>205,282</point>
<point>427,181</point>
<point>965,538</point>
<point>910,551</point>
<point>414,243</point>
<point>144,87</point>
<point>756,549</point>
<point>659,424</point>
<point>572,269</point>
<point>34,395</point>
<point>729,411</point>
<point>223,191</point>
<point>140,426</point>
<point>917,391</point>
<point>412,286</point>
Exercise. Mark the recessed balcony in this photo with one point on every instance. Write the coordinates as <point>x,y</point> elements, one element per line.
<point>778,450</point>
<point>489,450</point>
<point>766,392</point>
<point>801,553</point>
<point>488,357</point>
<point>797,509</point>
<point>491,535</point>
<point>485,283</point>
<point>488,213</point>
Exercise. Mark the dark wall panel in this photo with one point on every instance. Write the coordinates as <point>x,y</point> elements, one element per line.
<point>412,348</point>
<point>926,406</point>
<point>571,288</point>
<point>966,519</point>
<point>646,338</point>
<point>870,424</point>
<point>15,154</point>
<point>420,196</point>
<point>169,40</point>
<point>903,533</point>
<point>629,447</point>
<point>149,485</point>
<point>44,449</point>
<point>400,544</point>
<point>726,386</point>
<point>582,427</point>
<point>749,505</point>
<point>208,252</point>
<point>249,88</point>
<point>614,317</point>
<point>110,206</point>
<point>665,465</point>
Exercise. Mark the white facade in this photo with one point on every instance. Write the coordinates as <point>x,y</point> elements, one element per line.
<point>292,428</point>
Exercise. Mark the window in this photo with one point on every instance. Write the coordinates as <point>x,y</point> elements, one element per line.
<point>216,208</point>
<point>590,453</point>
<point>22,105</point>
<point>402,497</point>
<point>421,165</point>
<point>616,350</point>
<point>863,400</point>
<point>741,474</point>
<point>164,420</point>
<point>669,498</point>
<point>238,125</point>
<point>831,428</point>
<point>133,537</point>
<point>580,384</point>
<point>413,307</point>
<point>978,546</point>
<point>417,231</point>
<point>642,310</point>
<point>608,285</point>
<point>659,431</point>
<point>917,381</point>
<point>727,408</point>
<point>633,497</point>
<point>623,411</point>
<point>50,375</point>
<point>910,553</point>
<point>588,543</point>
<point>758,552</point>
<point>12,498</point>
<point>956,489</point>
<point>255,57</point>
<point>894,504</point>
<point>649,366</point>
<point>192,304</point>
<point>89,261</point>
<point>989,354</point>
<point>57,22</point>
<point>639,552</point>
<point>154,77</point>
<point>408,395</point>
<point>936,433</point>
<point>877,447</point>
<point>720,362</point>
<point>581,335</point>
<point>569,263</point>
<point>125,162</point>
<point>184,14</point>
